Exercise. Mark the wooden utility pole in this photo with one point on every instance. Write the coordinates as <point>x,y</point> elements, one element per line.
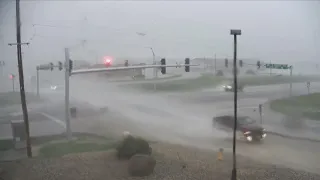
<point>21,79</point>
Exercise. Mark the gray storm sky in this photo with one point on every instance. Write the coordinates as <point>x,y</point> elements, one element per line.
<point>271,30</point>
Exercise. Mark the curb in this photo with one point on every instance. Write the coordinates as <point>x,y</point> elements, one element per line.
<point>293,137</point>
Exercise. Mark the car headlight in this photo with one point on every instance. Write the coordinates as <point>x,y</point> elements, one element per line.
<point>247,132</point>
<point>229,87</point>
<point>53,87</point>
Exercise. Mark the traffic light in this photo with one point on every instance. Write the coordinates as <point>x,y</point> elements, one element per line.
<point>258,64</point>
<point>187,63</point>
<point>11,76</point>
<point>226,63</point>
<point>60,65</point>
<point>163,69</point>
<point>107,60</point>
<point>70,66</point>
<point>240,63</point>
<point>51,66</point>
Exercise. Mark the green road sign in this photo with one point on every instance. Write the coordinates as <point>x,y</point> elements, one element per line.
<point>277,66</point>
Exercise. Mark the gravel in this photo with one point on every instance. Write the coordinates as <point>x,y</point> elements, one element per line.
<point>171,159</point>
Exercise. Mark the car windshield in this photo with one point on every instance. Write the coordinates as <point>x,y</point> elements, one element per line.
<point>245,120</point>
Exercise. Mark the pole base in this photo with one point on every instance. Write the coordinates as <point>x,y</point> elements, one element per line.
<point>234,174</point>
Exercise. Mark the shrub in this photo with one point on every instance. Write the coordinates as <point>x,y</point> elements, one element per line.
<point>130,146</point>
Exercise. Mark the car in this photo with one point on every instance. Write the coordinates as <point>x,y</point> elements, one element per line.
<point>230,87</point>
<point>53,87</point>
<point>247,128</point>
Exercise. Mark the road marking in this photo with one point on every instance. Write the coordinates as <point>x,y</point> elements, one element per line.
<point>58,121</point>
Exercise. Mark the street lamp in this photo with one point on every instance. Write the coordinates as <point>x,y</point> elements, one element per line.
<point>235,32</point>
<point>154,61</point>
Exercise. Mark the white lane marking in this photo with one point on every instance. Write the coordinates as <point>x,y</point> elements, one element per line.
<point>58,121</point>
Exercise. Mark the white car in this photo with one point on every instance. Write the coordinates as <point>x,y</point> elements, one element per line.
<point>53,87</point>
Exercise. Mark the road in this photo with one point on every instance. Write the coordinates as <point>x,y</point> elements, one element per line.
<point>186,118</point>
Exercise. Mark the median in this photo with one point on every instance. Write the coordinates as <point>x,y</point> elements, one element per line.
<point>179,85</point>
<point>211,81</point>
<point>307,106</point>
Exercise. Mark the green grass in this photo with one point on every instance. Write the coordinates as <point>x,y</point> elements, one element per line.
<point>307,106</point>
<point>82,144</point>
<point>181,85</point>
<point>13,98</point>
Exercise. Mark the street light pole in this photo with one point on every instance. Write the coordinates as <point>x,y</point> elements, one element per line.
<point>154,62</point>
<point>235,32</point>
<point>67,76</point>
<point>155,73</point>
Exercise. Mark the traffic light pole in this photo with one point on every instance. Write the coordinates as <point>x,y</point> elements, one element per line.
<point>67,76</point>
<point>13,84</point>
<point>291,80</point>
<point>38,89</point>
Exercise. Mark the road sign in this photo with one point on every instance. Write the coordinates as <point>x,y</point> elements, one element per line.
<point>277,66</point>
<point>44,67</point>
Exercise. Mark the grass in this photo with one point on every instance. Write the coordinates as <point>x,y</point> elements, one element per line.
<point>6,144</point>
<point>307,106</point>
<point>181,85</point>
<point>268,80</point>
<point>57,149</point>
<point>13,98</point>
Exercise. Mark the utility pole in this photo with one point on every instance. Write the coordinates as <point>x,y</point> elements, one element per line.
<point>234,33</point>
<point>67,76</point>
<point>21,79</point>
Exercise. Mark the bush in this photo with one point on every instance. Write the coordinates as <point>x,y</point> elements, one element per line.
<point>131,145</point>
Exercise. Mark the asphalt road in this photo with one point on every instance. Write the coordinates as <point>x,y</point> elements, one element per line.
<point>186,118</point>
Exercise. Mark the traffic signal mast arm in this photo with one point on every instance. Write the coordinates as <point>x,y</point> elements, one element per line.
<point>84,71</point>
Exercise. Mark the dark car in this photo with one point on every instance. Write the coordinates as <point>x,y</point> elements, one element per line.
<point>247,128</point>
<point>230,87</point>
